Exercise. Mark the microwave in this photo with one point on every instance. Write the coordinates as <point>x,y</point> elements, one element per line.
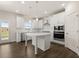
<point>59,27</point>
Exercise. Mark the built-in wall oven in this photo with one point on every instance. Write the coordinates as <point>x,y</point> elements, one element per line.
<point>59,33</point>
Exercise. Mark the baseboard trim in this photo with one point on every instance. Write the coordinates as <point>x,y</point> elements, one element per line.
<point>57,43</point>
<point>7,43</point>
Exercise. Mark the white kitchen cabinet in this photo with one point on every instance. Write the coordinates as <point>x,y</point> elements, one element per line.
<point>43,42</point>
<point>18,37</point>
<point>72,32</point>
<point>20,22</point>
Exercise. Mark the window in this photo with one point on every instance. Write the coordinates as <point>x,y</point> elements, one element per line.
<point>4,24</point>
<point>4,33</point>
<point>28,24</point>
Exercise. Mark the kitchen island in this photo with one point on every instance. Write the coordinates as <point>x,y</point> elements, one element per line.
<point>39,40</point>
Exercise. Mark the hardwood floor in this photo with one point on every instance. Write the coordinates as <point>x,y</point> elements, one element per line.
<point>18,50</point>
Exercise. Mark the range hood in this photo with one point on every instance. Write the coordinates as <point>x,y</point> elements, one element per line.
<point>46,23</point>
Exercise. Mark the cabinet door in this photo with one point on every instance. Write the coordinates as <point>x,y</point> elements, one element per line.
<point>74,32</point>
<point>67,30</point>
<point>20,22</point>
<point>71,32</point>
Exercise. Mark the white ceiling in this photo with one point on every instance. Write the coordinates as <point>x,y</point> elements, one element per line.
<point>32,8</point>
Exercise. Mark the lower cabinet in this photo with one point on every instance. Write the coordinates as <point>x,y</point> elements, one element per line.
<point>72,44</point>
<point>18,37</point>
<point>43,42</point>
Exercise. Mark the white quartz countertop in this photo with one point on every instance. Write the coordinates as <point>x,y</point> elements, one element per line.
<point>37,33</point>
<point>23,30</point>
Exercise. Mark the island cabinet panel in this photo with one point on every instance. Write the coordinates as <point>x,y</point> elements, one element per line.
<point>43,42</point>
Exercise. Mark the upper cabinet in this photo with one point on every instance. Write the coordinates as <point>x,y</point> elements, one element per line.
<point>57,19</point>
<point>72,7</point>
<point>19,21</point>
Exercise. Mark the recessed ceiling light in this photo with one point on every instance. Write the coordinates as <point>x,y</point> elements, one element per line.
<point>62,4</point>
<point>45,12</point>
<point>17,10</point>
<point>36,19</point>
<point>22,2</point>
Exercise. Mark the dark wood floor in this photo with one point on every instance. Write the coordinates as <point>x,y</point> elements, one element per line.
<point>18,50</point>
